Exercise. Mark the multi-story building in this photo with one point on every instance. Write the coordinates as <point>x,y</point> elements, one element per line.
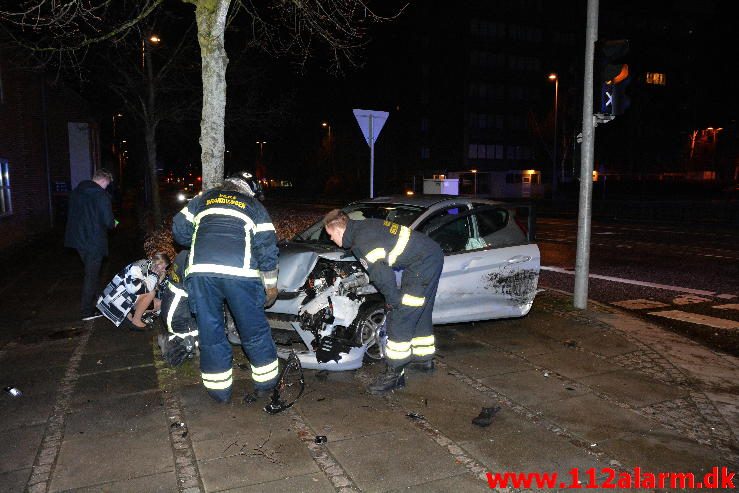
<point>48,143</point>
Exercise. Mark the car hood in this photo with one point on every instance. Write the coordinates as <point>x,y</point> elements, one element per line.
<point>297,261</point>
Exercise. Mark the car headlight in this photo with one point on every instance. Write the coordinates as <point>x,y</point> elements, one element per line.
<point>181,197</point>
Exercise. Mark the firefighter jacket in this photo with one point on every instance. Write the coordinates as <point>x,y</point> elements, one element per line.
<point>120,295</point>
<point>383,247</point>
<point>230,235</point>
<point>175,310</point>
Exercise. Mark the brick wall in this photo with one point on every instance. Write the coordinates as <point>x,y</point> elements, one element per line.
<point>23,144</point>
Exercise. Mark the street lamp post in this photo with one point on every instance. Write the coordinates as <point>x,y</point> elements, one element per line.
<point>554,77</point>
<point>327,126</point>
<point>261,143</point>
<point>474,177</point>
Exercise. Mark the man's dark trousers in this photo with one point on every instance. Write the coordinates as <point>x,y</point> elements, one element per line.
<point>91,283</point>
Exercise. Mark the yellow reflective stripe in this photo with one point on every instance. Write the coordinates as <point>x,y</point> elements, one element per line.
<point>410,300</point>
<point>403,237</point>
<point>269,280</point>
<point>397,350</point>
<point>263,227</point>
<point>265,373</point>
<point>244,271</point>
<point>173,307</point>
<point>423,341</point>
<point>188,215</point>
<point>218,381</point>
<point>375,255</point>
<point>182,335</point>
<point>176,290</point>
<point>220,211</point>
<point>223,269</point>
<point>424,350</point>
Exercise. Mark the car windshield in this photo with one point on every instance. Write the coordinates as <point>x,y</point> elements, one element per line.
<point>397,213</point>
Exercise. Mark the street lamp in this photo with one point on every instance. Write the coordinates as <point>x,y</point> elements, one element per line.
<point>554,78</point>
<point>327,126</point>
<point>261,143</point>
<point>474,174</point>
<point>153,39</point>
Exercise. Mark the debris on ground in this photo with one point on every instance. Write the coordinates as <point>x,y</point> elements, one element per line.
<point>321,439</point>
<point>486,416</point>
<point>13,391</point>
<point>322,375</point>
<point>415,416</point>
<point>571,343</point>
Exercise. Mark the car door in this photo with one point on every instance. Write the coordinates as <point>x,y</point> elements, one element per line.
<point>491,266</point>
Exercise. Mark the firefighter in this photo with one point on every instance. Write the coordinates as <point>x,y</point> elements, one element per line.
<point>233,259</point>
<point>383,247</point>
<point>181,338</point>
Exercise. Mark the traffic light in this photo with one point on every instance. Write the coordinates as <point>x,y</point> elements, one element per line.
<point>611,76</point>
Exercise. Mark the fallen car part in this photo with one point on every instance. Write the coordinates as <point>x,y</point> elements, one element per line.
<point>321,439</point>
<point>13,391</point>
<point>486,416</point>
<point>289,388</point>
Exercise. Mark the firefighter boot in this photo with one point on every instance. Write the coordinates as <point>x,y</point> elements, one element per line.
<point>422,366</point>
<point>391,379</point>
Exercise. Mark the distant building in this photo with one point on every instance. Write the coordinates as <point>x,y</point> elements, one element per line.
<point>48,143</point>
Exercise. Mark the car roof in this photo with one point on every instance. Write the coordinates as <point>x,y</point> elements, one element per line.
<point>425,201</point>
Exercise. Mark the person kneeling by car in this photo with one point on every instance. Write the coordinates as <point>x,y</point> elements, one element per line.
<point>381,247</point>
<point>132,291</point>
<point>181,338</point>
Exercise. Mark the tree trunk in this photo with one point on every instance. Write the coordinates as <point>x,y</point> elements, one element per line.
<point>211,20</point>
<point>151,169</point>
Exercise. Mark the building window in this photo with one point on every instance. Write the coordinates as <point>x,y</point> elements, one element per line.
<point>485,151</point>
<point>424,125</point>
<point>6,207</point>
<point>425,152</point>
<point>656,78</point>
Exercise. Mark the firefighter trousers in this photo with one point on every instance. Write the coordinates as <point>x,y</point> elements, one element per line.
<point>245,298</point>
<point>409,326</point>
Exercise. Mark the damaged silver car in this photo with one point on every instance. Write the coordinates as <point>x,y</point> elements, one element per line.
<point>331,314</point>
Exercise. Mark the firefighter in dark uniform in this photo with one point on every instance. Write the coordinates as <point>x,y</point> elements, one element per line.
<point>233,259</point>
<point>382,247</point>
<point>181,338</point>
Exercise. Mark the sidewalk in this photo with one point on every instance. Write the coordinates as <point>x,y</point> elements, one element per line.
<point>100,412</point>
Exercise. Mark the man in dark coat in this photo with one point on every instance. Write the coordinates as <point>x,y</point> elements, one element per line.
<point>90,216</point>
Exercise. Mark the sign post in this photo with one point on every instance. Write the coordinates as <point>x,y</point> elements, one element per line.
<point>371,123</point>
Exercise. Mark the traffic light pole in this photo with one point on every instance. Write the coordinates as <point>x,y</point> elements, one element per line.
<point>582,260</point>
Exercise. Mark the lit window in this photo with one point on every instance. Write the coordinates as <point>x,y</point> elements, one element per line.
<point>5,203</point>
<point>656,78</point>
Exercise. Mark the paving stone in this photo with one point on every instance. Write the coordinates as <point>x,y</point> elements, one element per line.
<point>18,447</point>
<point>284,456</point>
<point>30,409</point>
<point>393,460</point>
<point>128,414</point>
<point>112,458</point>
<point>114,384</point>
<point>527,447</point>
<point>572,363</point>
<point>486,363</point>
<point>14,481</point>
<point>593,419</point>
<point>531,387</point>
<point>107,338</point>
<point>666,451</point>
<point>633,388</point>
<point>97,362</point>
<point>345,411</point>
<point>34,381</point>
<point>155,483</point>
<point>462,483</point>
<point>37,357</point>
<point>308,483</point>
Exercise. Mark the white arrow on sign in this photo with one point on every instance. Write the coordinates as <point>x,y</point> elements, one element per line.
<point>371,123</point>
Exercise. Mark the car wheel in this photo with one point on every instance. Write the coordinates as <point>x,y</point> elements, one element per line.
<point>369,328</point>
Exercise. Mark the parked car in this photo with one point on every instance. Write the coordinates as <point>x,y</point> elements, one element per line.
<point>327,304</point>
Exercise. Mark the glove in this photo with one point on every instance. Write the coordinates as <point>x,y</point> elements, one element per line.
<point>271,296</point>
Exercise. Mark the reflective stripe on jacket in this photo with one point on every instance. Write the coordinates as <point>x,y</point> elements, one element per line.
<point>229,235</point>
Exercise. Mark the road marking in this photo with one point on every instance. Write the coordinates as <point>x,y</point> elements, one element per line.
<point>667,287</point>
<point>730,306</point>
<point>689,299</point>
<point>695,318</point>
<point>639,304</point>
